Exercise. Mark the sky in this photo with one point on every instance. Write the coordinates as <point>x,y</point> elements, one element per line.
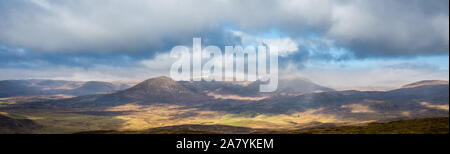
<point>343,44</point>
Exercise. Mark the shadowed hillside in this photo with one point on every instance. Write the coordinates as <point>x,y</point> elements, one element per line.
<point>12,125</point>
<point>183,129</point>
<point>416,126</point>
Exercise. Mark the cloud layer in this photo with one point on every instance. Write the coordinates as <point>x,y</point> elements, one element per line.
<point>368,28</point>
<point>102,35</point>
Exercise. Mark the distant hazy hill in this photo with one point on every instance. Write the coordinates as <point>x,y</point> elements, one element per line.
<point>300,86</point>
<point>425,83</point>
<point>10,88</point>
<point>287,86</point>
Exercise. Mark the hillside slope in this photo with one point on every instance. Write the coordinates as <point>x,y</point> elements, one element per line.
<point>10,125</point>
<point>415,126</point>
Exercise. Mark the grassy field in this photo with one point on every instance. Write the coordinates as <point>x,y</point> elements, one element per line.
<point>134,117</point>
<point>67,122</point>
<point>145,117</point>
<point>416,126</point>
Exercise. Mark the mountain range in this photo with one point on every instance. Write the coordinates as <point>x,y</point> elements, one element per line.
<point>9,88</point>
<point>297,102</point>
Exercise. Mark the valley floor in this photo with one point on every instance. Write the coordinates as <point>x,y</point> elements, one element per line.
<point>414,126</point>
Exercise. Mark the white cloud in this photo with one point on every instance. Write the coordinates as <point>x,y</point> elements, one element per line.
<point>160,63</point>
<point>285,45</point>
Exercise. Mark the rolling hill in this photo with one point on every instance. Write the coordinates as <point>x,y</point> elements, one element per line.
<point>10,88</point>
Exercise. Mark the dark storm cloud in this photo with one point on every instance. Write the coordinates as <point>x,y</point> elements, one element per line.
<point>17,57</point>
<point>22,58</point>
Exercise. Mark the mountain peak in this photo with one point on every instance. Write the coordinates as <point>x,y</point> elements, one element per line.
<point>159,80</point>
<point>161,84</point>
<point>425,83</point>
<point>158,89</point>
